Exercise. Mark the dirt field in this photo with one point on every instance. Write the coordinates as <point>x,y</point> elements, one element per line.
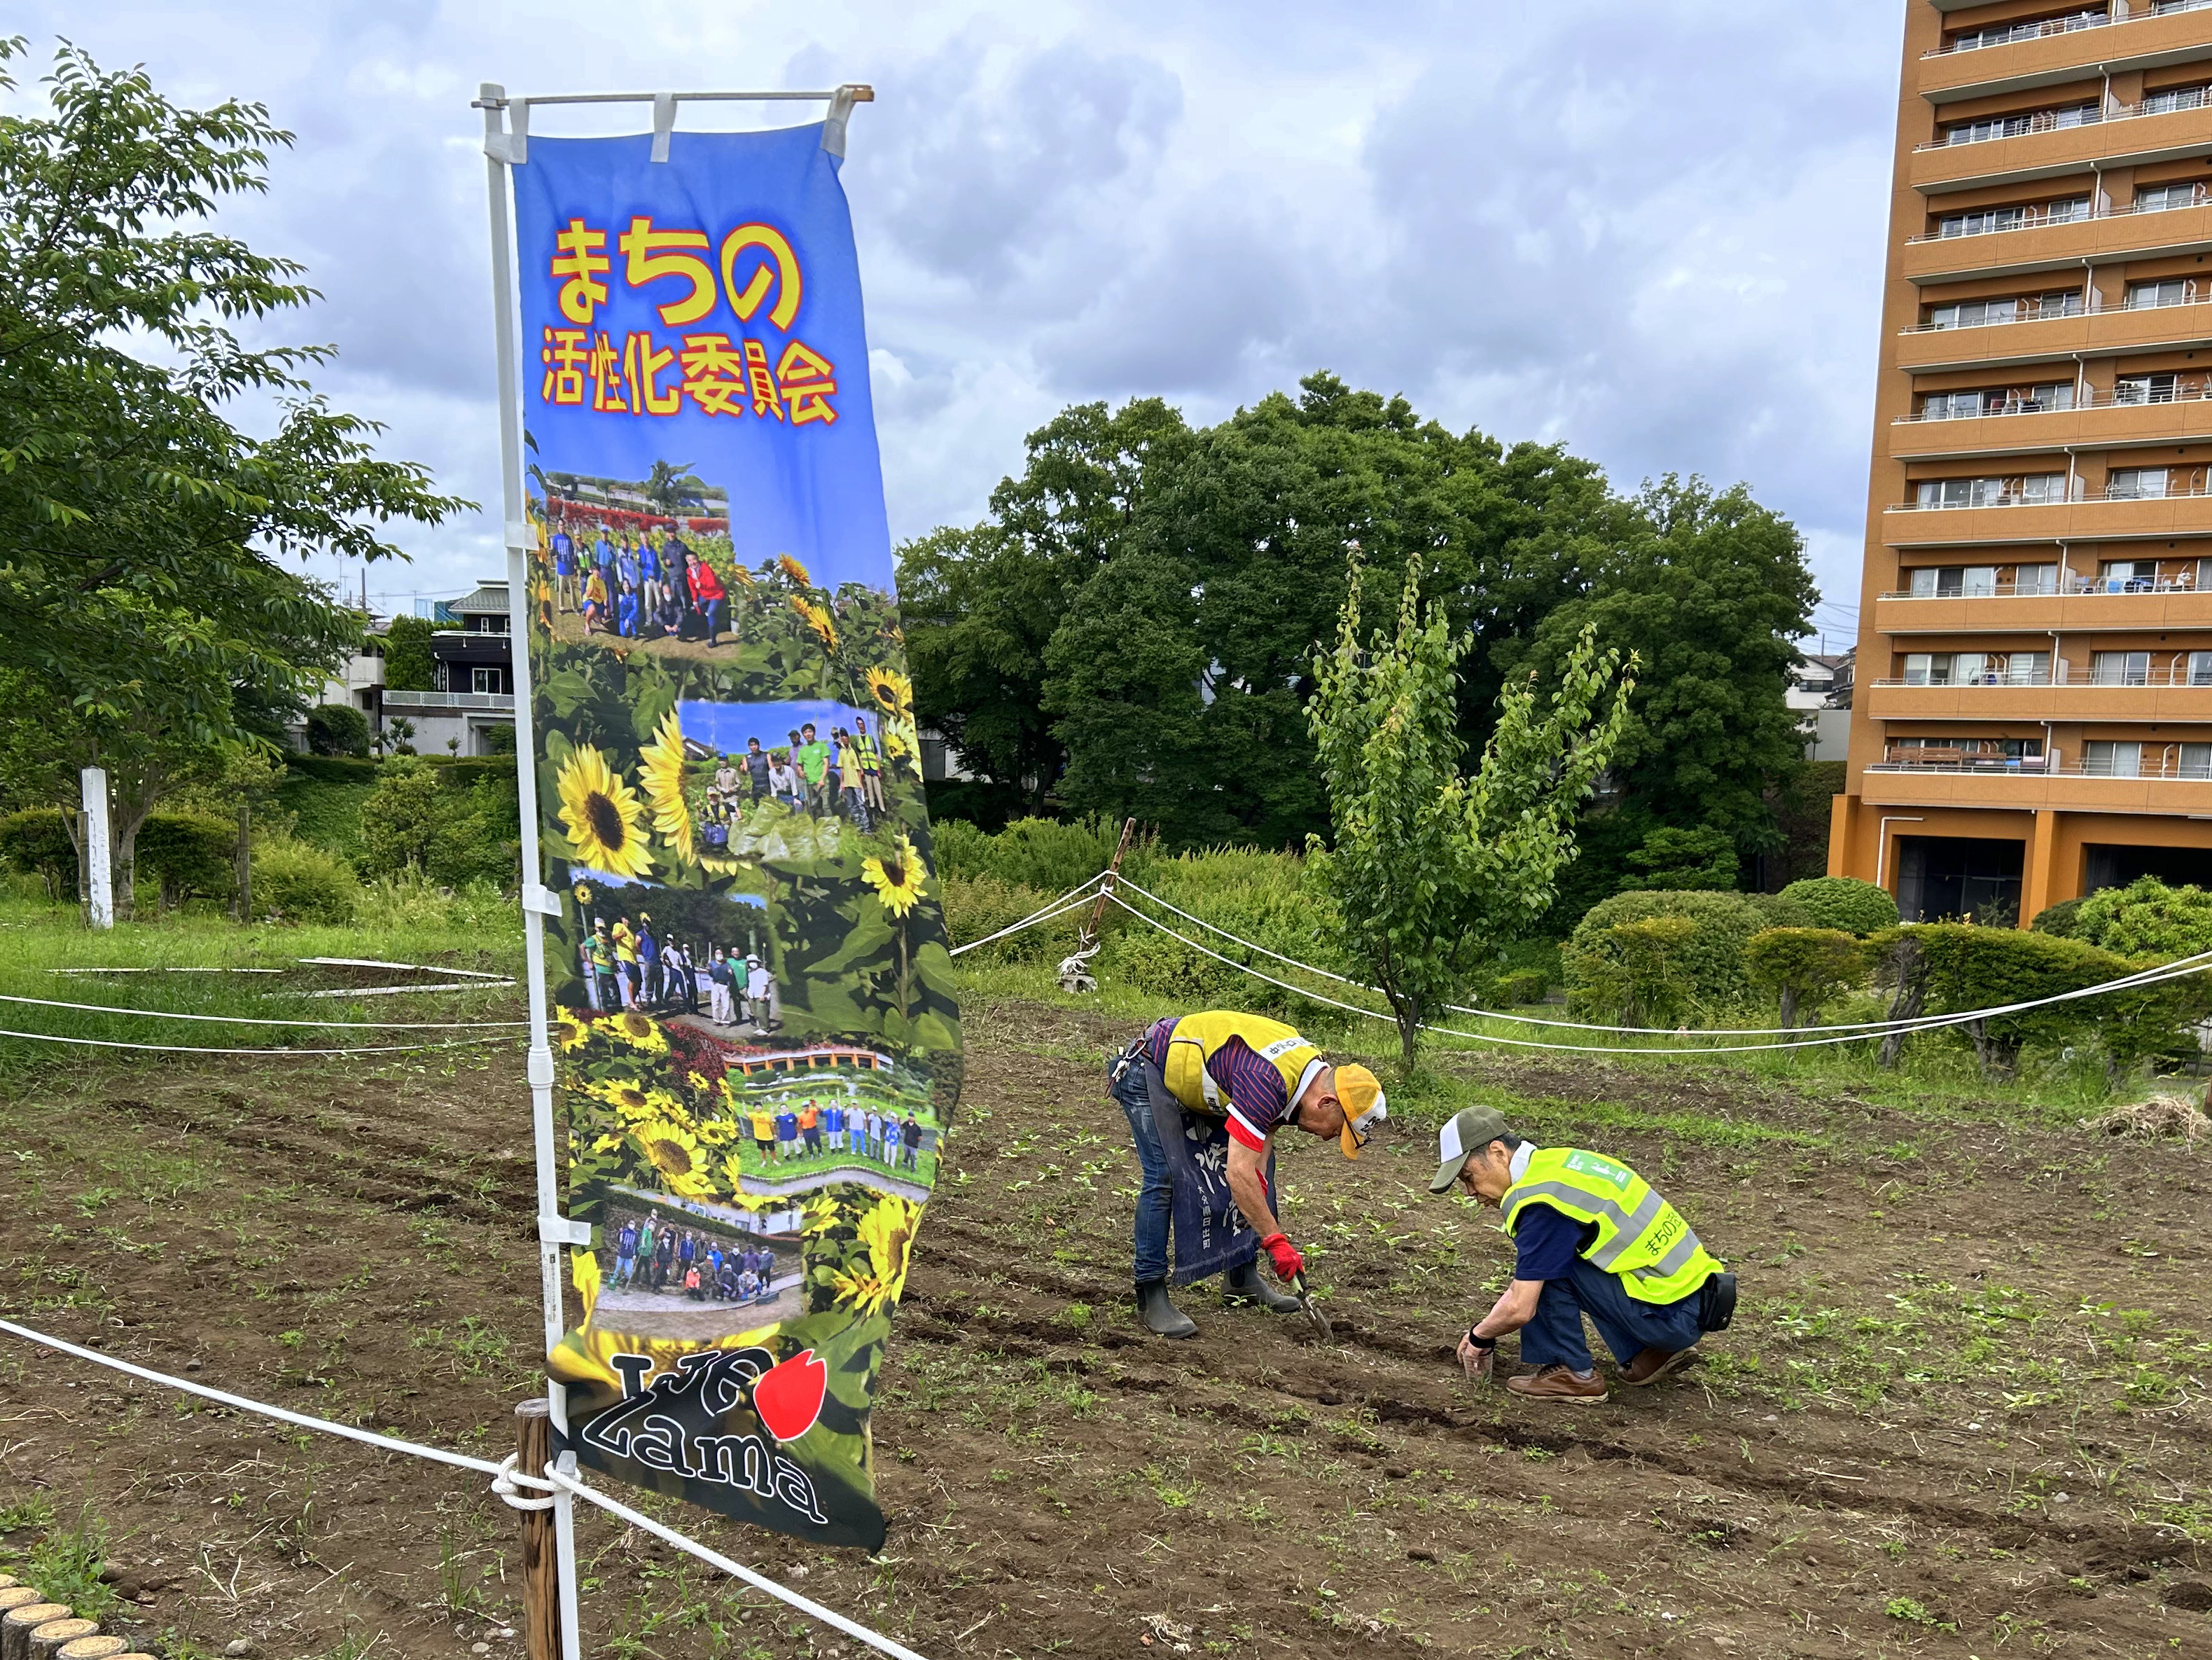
<point>1958,1414</point>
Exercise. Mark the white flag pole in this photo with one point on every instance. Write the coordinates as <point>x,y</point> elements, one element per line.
<point>503,149</point>
<point>99,864</point>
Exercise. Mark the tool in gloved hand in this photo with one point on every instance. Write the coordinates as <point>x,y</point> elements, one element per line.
<point>1298,1286</point>
<point>1291,1269</point>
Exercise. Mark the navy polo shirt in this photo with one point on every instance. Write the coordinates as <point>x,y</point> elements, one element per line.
<point>1547,1242</point>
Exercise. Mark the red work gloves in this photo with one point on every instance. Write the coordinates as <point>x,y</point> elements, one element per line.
<point>1289,1265</point>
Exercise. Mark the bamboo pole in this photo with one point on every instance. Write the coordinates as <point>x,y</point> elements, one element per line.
<point>541,1568</point>
<point>20,1622</point>
<point>51,1638</point>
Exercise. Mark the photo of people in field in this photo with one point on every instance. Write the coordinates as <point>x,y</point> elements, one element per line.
<point>688,1269</point>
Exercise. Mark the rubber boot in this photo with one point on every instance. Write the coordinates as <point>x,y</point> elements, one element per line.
<point>1242,1285</point>
<point>1159,1315</point>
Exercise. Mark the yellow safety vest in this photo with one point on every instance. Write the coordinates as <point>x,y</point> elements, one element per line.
<point>1197,1038</point>
<point>1640,1236</point>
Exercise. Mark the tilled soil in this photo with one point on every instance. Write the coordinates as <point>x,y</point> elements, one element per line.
<point>1958,1413</point>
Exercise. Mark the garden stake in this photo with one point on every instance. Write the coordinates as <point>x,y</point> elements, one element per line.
<point>541,1569</point>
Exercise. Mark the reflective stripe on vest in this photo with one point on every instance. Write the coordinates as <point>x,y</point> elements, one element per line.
<point>1640,1236</point>
<point>1197,1038</point>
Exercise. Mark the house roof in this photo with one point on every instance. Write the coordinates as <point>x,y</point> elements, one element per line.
<point>489,596</point>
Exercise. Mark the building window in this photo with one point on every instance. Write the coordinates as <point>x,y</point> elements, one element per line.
<point>2197,760</point>
<point>2119,668</point>
<point>2166,291</point>
<point>2137,485</point>
<point>2146,389</point>
<point>2036,489</point>
<point>2200,668</point>
<point>484,680</point>
<point>2161,198</point>
<point>2000,34</point>
<point>2105,757</point>
<point>1975,668</point>
<point>2174,98</point>
<point>491,622</point>
<point>2012,126</point>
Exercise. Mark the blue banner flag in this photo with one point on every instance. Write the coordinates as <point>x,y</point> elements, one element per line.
<point>757,1041</point>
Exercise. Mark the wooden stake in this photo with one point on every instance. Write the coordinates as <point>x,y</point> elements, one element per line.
<point>246,861</point>
<point>1106,888</point>
<point>541,1568</point>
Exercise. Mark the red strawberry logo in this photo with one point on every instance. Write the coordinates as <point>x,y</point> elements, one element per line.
<point>788,1396</point>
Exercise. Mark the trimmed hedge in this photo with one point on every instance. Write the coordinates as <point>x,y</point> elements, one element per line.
<point>36,840</point>
<point>1709,958</point>
<point>1806,968</point>
<point>183,856</point>
<point>1845,903</point>
<point>2147,918</point>
<point>298,882</point>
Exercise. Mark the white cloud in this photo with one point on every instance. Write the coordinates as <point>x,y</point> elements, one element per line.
<point>1649,231</point>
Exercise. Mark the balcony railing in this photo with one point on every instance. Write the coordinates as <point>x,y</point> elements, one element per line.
<point>501,700</point>
<point>2118,398</point>
<point>2021,499</point>
<point>2026,219</point>
<point>2028,767</point>
<point>2061,120</point>
<point>2046,591</point>
<point>2072,676</point>
<point>1987,41</point>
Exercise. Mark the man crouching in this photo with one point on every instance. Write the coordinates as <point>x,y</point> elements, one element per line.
<point>1592,1237</point>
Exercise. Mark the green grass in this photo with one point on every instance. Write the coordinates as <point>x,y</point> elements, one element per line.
<point>41,939</point>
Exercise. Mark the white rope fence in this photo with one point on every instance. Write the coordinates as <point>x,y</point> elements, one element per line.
<point>2169,971</point>
<point>266,1020</point>
<point>509,1484</point>
<point>199,1049</point>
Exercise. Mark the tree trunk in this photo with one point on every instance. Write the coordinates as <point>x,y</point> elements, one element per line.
<point>1905,1005</point>
<point>1788,1007</point>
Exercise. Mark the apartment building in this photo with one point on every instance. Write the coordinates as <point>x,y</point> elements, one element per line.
<point>2032,716</point>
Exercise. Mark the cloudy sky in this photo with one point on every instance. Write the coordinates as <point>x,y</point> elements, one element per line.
<point>1649,229</point>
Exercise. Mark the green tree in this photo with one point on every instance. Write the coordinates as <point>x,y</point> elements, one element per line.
<point>150,616</point>
<point>2146,919</point>
<point>1432,869</point>
<point>337,729</point>
<point>980,605</point>
<point>399,821</point>
<point>408,663</point>
<point>1680,861</point>
<point>1709,590</point>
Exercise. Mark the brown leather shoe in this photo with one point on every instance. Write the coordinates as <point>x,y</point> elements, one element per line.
<point>1652,1364</point>
<point>1557,1382</point>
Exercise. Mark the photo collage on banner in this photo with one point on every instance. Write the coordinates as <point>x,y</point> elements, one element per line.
<point>757,1040</point>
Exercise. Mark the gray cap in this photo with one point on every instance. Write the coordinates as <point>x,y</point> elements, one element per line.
<point>1469,1129</point>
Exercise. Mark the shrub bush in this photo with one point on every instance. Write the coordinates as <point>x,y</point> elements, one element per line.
<point>1845,903</point>
<point>1961,967</point>
<point>1806,968</point>
<point>36,840</point>
<point>337,729</point>
<point>299,882</point>
<point>2147,918</point>
<point>412,900</point>
<point>1256,895</point>
<point>1711,952</point>
<point>1674,860</point>
<point>1780,911</point>
<point>2059,920</point>
<point>976,907</point>
<point>186,855</point>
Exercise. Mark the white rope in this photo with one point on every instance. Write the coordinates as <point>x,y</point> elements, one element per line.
<point>263,1020</point>
<point>2150,976</point>
<point>2142,976</point>
<point>875,1640</point>
<point>508,1485</point>
<point>346,1431</point>
<point>1066,901</point>
<point>195,1048</point>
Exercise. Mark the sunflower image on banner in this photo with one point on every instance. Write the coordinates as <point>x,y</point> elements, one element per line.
<point>756,1038</point>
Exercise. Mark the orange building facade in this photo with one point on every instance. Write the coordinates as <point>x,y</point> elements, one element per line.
<point>2032,717</point>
